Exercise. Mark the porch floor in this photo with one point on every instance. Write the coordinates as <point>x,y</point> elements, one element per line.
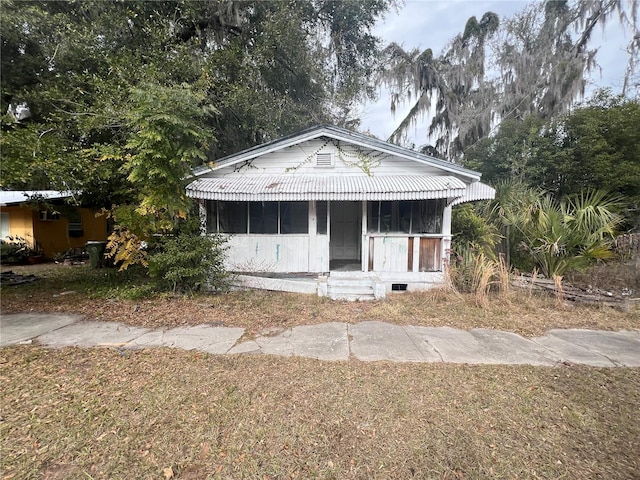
<point>345,265</point>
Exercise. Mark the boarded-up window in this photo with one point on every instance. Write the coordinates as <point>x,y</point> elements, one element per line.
<point>429,254</point>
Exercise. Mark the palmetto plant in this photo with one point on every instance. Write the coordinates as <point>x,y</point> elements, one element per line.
<point>571,233</point>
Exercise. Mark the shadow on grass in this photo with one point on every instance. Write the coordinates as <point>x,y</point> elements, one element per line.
<point>108,283</point>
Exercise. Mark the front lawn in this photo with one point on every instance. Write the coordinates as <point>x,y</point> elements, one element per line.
<point>109,295</point>
<point>102,414</point>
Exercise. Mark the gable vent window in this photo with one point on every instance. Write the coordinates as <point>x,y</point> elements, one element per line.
<point>324,160</point>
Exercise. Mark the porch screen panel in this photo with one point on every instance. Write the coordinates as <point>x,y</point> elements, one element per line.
<point>404,216</point>
<point>428,217</point>
<point>212,215</point>
<point>417,216</point>
<point>321,213</point>
<point>232,217</point>
<point>294,217</point>
<point>386,218</point>
<point>263,217</point>
<point>373,217</point>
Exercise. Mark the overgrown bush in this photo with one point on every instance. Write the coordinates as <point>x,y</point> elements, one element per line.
<point>473,232</point>
<point>189,262</point>
<point>15,249</point>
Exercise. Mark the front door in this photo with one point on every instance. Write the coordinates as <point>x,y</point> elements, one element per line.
<point>345,230</point>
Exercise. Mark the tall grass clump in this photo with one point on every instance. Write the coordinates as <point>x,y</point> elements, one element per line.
<point>472,271</point>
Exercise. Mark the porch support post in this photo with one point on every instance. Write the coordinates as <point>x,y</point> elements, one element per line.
<point>365,242</point>
<point>202,215</point>
<point>314,250</point>
<point>445,249</point>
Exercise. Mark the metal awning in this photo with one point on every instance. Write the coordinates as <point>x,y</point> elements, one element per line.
<point>345,188</point>
<point>476,191</point>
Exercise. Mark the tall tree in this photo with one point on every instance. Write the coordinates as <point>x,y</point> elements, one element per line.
<point>268,67</point>
<point>126,96</point>
<point>540,57</point>
<point>594,146</point>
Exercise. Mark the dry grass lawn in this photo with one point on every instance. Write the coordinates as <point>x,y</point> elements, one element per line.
<point>97,295</point>
<point>162,414</point>
<point>100,414</point>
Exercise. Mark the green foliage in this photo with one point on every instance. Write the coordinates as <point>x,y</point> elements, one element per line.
<point>570,234</point>
<point>533,63</point>
<point>537,231</point>
<point>472,232</point>
<point>126,97</point>
<point>167,139</point>
<point>595,146</point>
<point>190,262</point>
<point>14,250</point>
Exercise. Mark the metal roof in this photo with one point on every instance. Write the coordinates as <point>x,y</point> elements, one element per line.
<point>14,197</point>
<point>342,134</point>
<point>476,191</point>
<point>301,188</point>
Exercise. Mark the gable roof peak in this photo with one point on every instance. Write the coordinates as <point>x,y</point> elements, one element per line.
<point>340,134</point>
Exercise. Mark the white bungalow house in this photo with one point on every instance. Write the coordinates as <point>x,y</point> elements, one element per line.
<point>335,212</point>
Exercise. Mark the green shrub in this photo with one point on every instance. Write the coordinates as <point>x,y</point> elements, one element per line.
<point>189,262</point>
<point>472,232</point>
<point>15,250</point>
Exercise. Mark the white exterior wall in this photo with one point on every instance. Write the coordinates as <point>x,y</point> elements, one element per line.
<point>268,253</point>
<point>300,160</point>
<point>390,253</point>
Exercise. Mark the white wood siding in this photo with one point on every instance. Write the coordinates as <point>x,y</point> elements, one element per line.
<point>390,254</point>
<point>301,160</point>
<point>268,253</point>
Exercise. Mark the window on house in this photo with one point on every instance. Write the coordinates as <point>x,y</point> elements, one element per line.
<point>294,217</point>
<point>417,216</point>
<point>212,216</point>
<point>263,217</point>
<point>4,224</point>
<point>47,215</point>
<point>232,217</point>
<point>257,217</point>
<point>75,222</point>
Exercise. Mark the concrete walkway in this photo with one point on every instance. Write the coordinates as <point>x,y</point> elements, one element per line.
<point>365,341</point>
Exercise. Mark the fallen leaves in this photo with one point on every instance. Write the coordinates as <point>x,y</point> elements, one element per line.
<point>126,417</point>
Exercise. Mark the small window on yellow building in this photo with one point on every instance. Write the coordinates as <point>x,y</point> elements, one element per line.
<point>75,223</point>
<point>4,224</point>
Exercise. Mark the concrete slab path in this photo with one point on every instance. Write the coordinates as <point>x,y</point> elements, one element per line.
<point>365,341</point>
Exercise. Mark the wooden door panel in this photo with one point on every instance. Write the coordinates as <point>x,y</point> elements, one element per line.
<point>430,254</point>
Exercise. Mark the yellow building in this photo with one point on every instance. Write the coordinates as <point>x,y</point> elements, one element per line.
<point>51,227</point>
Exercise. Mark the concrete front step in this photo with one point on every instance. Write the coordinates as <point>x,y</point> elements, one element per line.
<point>349,288</point>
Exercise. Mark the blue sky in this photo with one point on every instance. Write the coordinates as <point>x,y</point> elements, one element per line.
<point>432,23</point>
